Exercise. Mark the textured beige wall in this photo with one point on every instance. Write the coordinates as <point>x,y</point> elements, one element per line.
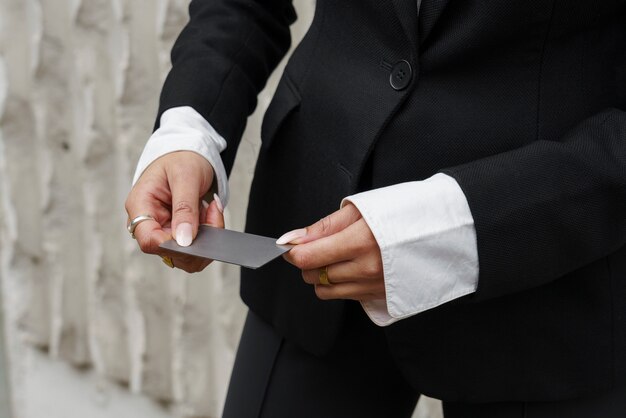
<point>79,81</point>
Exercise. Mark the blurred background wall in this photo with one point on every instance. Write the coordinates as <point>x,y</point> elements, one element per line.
<point>92,327</point>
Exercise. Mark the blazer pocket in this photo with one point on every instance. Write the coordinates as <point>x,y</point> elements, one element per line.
<point>285,101</point>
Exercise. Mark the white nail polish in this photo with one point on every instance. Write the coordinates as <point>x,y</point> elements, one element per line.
<point>205,204</point>
<point>291,236</point>
<point>184,235</point>
<point>218,202</point>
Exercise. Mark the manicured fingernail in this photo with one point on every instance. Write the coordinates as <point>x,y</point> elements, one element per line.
<point>291,235</point>
<point>218,202</point>
<point>205,204</point>
<point>184,235</point>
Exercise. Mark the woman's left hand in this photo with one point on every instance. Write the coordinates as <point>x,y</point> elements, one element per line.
<point>343,244</point>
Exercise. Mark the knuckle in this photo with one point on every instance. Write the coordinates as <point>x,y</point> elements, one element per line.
<point>371,269</point>
<point>183,208</point>
<point>322,227</point>
<point>153,244</point>
<point>128,204</point>
<point>146,244</point>
<point>355,213</point>
<point>371,239</point>
<point>325,224</point>
<point>361,245</point>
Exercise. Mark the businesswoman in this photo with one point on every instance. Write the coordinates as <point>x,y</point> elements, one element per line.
<point>453,177</point>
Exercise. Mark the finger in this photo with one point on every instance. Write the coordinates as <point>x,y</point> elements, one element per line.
<point>363,268</point>
<point>351,290</point>
<point>313,276</point>
<point>148,197</point>
<point>367,267</point>
<point>144,200</point>
<point>345,245</point>
<point>149,235</point>
<point>204,205</point>
<point>215,213</point>
<point>190,266</point>
<point>326,226</point>
<point>185,262</point>
<point>187,187</point>
<point>211,215</point>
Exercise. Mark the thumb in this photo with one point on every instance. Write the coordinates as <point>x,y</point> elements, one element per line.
<point>186,188</point>
<point>329,225</point>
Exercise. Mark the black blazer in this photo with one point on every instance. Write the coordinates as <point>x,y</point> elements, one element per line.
<point>522,102</point>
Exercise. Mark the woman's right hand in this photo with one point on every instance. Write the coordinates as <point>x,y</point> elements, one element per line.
<point>171,190</point>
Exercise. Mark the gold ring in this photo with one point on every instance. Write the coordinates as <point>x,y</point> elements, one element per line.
<point>136,221</point>
<point>168,261</point>
<point>324,276</point>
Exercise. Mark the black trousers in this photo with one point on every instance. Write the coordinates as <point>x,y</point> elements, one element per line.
<point>274,378</point>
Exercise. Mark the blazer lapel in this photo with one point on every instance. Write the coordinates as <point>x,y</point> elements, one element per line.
<point>429,13</point>
<point>407,14</point>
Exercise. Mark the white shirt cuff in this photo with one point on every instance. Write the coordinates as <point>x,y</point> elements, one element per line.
<point>184,129</point>
<point>425,231</point>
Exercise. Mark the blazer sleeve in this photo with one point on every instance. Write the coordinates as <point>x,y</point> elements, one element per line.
<point>222,60</point>
<point>548,208</point>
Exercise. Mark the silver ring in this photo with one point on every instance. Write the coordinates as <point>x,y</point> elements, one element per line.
<point>136,221</point>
